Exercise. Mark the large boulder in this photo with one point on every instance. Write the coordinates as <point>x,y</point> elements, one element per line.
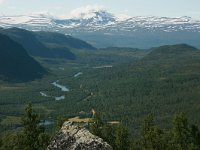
<point>72,137</point>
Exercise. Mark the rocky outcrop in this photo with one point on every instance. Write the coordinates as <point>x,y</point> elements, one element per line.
<point>72,137</point>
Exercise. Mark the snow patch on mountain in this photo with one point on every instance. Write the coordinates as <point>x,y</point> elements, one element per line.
<point>33,19</point>
<point>94,18</point>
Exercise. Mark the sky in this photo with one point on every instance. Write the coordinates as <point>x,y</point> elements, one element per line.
<point>168,8</point>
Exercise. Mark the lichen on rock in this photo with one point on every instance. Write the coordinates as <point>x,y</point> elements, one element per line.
<point>73,137</point>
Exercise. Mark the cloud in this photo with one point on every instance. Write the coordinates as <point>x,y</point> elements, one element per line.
<point>86,10</point>
<point>1,1</point>
<point>122,17</point>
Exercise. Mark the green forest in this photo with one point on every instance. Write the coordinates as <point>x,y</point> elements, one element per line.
<point>124,85</point>
<point>181,136</point>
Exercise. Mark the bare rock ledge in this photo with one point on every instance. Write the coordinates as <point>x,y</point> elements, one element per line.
<point>72,137</point>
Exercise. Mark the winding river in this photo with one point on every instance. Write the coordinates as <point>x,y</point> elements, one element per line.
<point>78,74</point>
<point>62,87</point>
<point>60,98</point>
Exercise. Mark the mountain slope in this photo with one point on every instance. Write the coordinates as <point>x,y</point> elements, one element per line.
<point>164,82</point>
<point>173,54</point>
<point>16,64</point>
<point>54,38</point>
<point>28,40</point>
<point>36,48</point>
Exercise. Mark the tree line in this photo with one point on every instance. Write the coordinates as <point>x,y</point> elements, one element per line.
<point>181,136</point>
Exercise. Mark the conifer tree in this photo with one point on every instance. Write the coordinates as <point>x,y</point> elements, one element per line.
<point>97,125</point>
<point>108,134</point>
<point>32,136</point>
<point>122,138</point>
<point>151,137</point>
<point>184,136</point>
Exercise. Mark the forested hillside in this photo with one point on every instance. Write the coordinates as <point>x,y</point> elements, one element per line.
<point>53,38</point>
<point>124,84</point>
<point>163,82</point>
<point>46,44</point>
<point>16,64</point>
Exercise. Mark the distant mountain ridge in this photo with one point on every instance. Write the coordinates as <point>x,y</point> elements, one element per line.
<point>16,64</point>
<point>104,29</point>
<point>100,20</point>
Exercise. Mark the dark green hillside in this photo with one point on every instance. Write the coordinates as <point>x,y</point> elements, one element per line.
<point>177,52</point>
<point>34,47</point>
<point>75,100</point>
<point>64,40</point>
<point>164,82</point>
<point>15,63</point>
<point>124,85</point>
<point>28,40</point>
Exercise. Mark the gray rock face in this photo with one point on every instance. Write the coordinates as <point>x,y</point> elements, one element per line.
<point>72,137</point>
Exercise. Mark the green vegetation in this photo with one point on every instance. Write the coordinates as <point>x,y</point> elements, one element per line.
<point>162,82</point>
<point>31,137</point>
<point>16,64</point>
<point>46,44</point>
<point>124,85</point>
<point>11,120</point>
<point>62,40</point>
<point>116,135</point>
<point>182,135</point>
<point>28,40</point>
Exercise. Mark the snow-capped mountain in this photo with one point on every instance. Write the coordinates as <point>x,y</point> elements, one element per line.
<point>98,22</point>
<point>94,20</point>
